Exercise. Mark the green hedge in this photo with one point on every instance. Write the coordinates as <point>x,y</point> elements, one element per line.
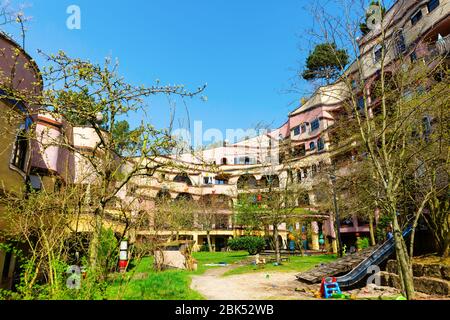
<point>253,245</point>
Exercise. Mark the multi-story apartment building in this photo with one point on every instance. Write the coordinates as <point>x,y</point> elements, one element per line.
<point>412,30</point>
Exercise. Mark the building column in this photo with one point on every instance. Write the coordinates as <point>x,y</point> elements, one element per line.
<point>334,245</point>
<point>196,246</point>
<point>315,236</point>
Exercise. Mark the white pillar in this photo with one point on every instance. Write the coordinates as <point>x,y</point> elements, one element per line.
<point>315,236</point>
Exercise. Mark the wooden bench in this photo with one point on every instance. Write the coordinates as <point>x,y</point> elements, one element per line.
<point>282,259</point>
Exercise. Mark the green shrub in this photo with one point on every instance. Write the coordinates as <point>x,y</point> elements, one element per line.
<point>363,243</point>
<point>253,245</point>
<point>204,248</point>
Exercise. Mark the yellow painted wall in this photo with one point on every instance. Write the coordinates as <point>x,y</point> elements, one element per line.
<point>10,180</point>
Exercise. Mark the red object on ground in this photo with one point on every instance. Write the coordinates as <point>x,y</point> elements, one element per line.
<point>123,264</point>
<point>322,286</point>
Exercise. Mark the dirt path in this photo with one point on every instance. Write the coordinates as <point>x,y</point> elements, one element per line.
<point>252,286</point>
<point>271,286</point>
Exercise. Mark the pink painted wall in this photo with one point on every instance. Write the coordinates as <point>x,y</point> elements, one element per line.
<point>25,76</point>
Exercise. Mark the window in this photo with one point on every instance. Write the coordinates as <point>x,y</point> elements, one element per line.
<point>312,146</point>
<point>207,180</point>
<point>408,95</point>
<point>426,126</point>
<point>304,128</point>
<point>360,103</point>
<point>354,84</point>
<point>221,181</point>
<point>413,56</point>
<point>299,151</point>
<point>34,183</point>
<point>416,17</point>
<point>432,4</point>
<point>224,161</point>
<point>320,144</point>
<point>20,149</point>
<point>296,130</point>
<point>315,125</point>
<point>299,175</point>
<point>420,90</point>
<point>400,44</point>
<point>377,53</point>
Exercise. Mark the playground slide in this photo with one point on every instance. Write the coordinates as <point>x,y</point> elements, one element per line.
<point>377,257</point>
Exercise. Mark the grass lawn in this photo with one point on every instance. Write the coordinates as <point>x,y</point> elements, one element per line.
<point>296,263</point>
<point>147,284</point>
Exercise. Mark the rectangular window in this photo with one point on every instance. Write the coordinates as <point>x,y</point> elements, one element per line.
<point>432,4</point>
<point>378,53</point>
<point>360,103</point>
<point>426,124</point>
<point>299,175</point>
<point>315,125</point>
<point>413,56</point>
<point>221,181</point>
<point>416,17</point>
<point>400,45</point>
<point>408,95</point>
<point>20,149</point>
<point>320,144</point>
<point>296,130</point>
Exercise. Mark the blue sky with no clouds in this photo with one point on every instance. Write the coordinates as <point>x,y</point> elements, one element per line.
<point>247,51</point>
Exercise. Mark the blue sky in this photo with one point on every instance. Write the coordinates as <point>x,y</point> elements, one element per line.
<point>246,51</point>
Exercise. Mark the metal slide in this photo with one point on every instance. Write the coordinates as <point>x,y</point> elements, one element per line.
<point>377,257</point>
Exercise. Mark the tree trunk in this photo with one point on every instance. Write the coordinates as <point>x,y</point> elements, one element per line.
<point>371,230</point>
<point>404,263</point>
<point>95,241</point>
<point>208,238</point>
<point>277,243</point>
<point>444,247</point>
